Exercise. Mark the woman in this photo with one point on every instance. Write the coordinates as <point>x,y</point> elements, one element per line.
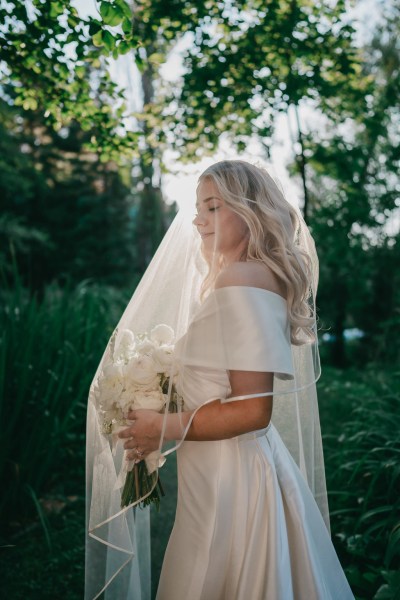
<point>247,523</point>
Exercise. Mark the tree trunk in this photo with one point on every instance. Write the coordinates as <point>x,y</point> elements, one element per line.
<point>301,161</point>
<point>150,226</point>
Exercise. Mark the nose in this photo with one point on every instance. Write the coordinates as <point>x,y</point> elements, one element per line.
<point>199,221</point>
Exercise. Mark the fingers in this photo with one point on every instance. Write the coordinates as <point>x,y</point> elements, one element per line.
<point>126,433</point>
<point>130,444</point>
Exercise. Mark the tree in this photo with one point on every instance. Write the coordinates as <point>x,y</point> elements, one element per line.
<point>66,214</point>
<point>54,61</point>
<point>55,65</point>
<point>355,183</point>
<point>250,61</point>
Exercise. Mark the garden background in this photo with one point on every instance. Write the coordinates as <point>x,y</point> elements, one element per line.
<point>83,164</point>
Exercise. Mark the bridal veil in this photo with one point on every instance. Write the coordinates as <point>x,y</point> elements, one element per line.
<point>172,292</point>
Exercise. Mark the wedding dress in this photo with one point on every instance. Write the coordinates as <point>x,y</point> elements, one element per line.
<point>247,525</point>
<point>252,521</point>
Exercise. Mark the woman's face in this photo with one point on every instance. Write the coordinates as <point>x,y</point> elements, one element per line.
<point>222,230</point>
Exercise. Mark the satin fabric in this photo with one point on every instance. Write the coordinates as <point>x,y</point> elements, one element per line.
<point>240,328</point>
<point>247,525</point>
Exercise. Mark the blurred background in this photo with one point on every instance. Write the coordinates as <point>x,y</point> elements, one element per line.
<point>109,111</point>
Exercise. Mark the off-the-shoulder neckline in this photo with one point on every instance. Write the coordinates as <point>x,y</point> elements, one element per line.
<point>251,287</point>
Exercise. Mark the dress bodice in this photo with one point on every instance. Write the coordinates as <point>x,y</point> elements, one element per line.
<point>199,384</point>
<point>236,328</point>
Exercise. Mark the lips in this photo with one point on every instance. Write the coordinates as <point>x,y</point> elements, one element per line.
<point>205,235</point>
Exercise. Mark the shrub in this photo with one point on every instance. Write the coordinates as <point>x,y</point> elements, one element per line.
<point>363,478</point>
<point>49,351</point>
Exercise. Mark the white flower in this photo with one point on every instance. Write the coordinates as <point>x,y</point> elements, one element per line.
<point>109,386</point>
<point>141,370</point>
<point>126,346</point>
<point>162,357</point>
<point>112,371</point>
<point>162,334</point>
<point>145,346</point>
<point>152,400</point>
<point>112,416</point>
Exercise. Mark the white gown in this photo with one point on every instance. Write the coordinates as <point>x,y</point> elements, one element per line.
<point>247,526</point>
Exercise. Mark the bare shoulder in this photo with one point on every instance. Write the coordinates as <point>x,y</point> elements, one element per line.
<point>250,274</point>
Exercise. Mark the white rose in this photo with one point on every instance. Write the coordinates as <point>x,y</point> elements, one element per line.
<point>162,357</point>
<point>162,334</point>
<point>152,400</point>
<point>112,372</point>
<point>109,386</point>
<point>141,370</point>
<point>146,346</point>
<point>125,401</point>
<point>126,346</point>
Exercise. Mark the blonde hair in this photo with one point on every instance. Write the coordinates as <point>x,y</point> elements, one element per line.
<point>274,227</point>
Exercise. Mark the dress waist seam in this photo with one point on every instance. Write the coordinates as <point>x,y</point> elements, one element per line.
<point>253,435</point>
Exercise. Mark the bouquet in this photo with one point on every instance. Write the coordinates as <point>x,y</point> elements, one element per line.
<point>136,376</point>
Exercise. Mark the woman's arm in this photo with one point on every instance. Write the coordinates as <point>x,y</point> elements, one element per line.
<point>219,421</point>
<point>213,421</point>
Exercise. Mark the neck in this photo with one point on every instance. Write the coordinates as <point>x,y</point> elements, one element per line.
<point>239,254</point>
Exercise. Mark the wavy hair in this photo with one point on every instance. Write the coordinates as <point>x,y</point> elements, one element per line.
<point>274,237</point>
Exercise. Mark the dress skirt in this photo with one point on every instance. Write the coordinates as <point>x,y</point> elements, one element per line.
<point>247,527</point>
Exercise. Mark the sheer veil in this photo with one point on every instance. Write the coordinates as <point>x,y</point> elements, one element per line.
<point>171,292</point>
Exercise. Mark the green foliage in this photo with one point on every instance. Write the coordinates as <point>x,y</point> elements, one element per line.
<point>26,549</point>
<point>250,61</point>
<point>43,345</point>
<point>353,468</point>
<point>55,574</point>
<point>48,55</point>
<point>390,590</point>
<point>66,215</point>
<point>353,176</point>
<point>19,237</point>
<point>363,475</point>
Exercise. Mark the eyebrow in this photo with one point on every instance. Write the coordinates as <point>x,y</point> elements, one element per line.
<point>208,200</point>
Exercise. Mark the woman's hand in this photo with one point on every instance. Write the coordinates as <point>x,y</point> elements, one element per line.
<point>143,436</point>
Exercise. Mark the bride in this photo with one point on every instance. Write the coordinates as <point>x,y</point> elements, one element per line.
<point>252,519</point>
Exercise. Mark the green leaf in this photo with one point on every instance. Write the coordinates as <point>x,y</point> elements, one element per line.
<point>98,38</point>
<point>124,47</point>
<point>157,58</point>
<point>80,71</point>
<point>124,6</point>
<point>141,65</point>
<point>30,104</point>
<point>108,40</point>
<point>391,589</point>
<point>56,9</point>
<point>94,26</point>
<point>112,15</point>
<point>127,25</point>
